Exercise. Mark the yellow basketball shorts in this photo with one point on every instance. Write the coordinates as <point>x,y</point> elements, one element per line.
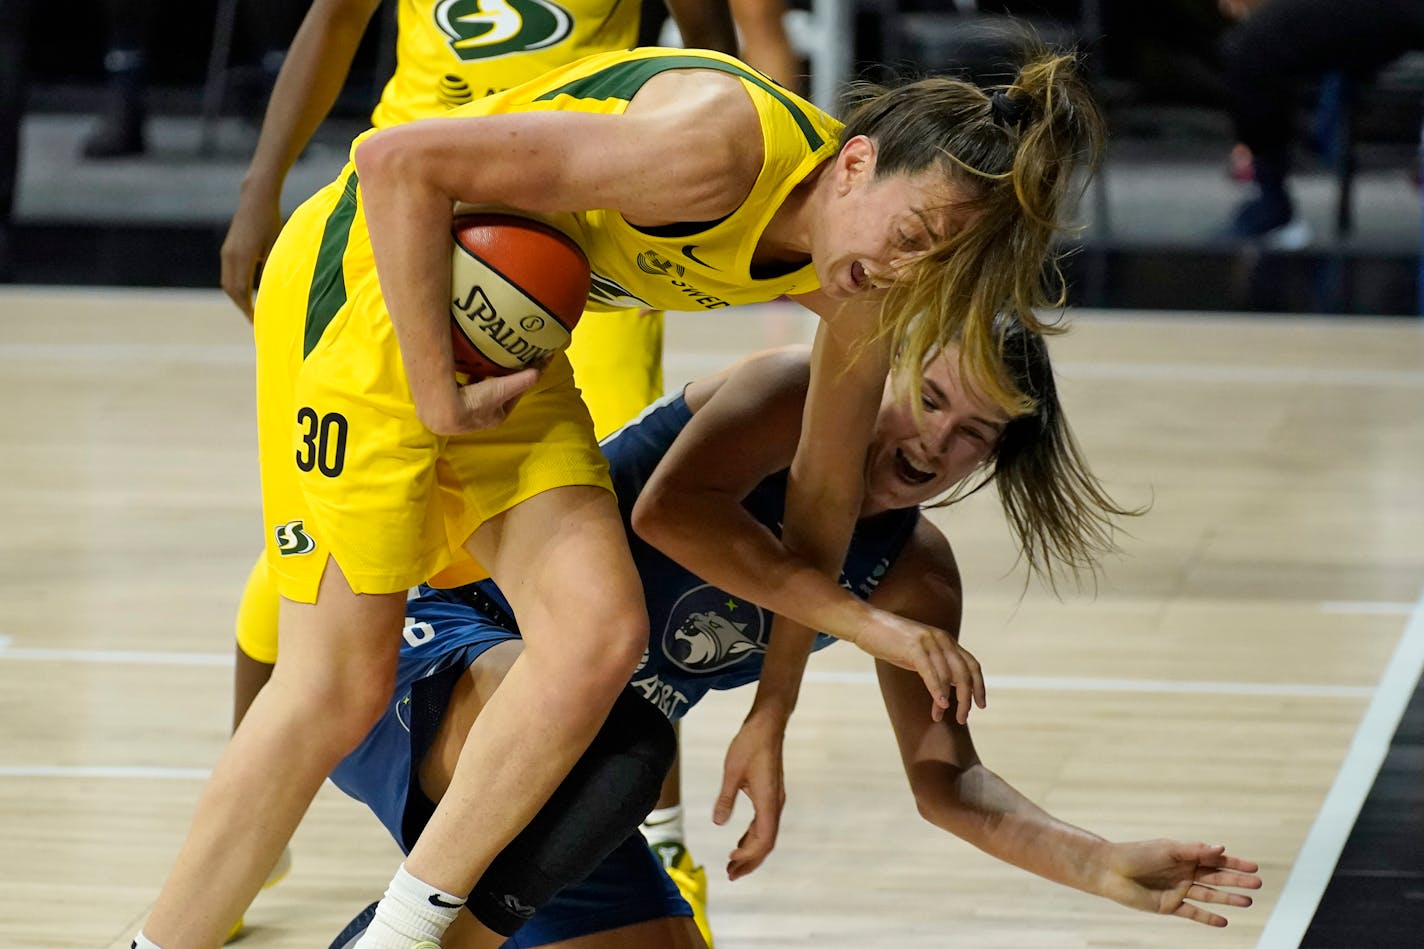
<point>618,363</point>
<point>257,614</point>
<point>348,469</point>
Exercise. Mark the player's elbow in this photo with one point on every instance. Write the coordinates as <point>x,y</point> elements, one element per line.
<point>939,798</point>
<point>653,515</point>
<point>932,808</point>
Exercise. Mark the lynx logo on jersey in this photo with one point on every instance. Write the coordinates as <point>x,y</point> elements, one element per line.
<point>487,29</point>
<point>708,630</point>
<point>292,539</point>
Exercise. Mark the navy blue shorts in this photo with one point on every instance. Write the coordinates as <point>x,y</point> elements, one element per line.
<point>442,639</point>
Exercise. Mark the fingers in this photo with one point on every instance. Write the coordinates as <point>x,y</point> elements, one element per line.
<point>1198,915</point>
<point>489,401</point>
<point>760,839</point>
<point>1207,894</point>
<point>966,676</point>
<point>1242,881</point>
<point>752,850</point>
<point>1215,857</point>
<point>237,272</point>
<point>1229,862</point>
<point>943,664</point>
<point>727,797</point>
<point>756,844</point>
<point>963,692</point>
<point>934,670</point>
<point>516,384</point>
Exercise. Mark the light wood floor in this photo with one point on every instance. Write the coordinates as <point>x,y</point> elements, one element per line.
<point>1209,689</point>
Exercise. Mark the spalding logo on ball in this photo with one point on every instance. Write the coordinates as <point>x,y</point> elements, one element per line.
<point>517,289</point>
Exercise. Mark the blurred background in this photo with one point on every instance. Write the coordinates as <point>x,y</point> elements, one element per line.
<point>120,176</point>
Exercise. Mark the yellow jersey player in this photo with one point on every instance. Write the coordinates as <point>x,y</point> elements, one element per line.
<point>928,213</point>
<point>447,54</point>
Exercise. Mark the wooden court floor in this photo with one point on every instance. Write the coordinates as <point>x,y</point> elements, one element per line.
<point>1210,687</point>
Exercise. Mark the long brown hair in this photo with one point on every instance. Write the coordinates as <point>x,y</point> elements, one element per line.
<point>1017,147</point>
<point>1059,511</point>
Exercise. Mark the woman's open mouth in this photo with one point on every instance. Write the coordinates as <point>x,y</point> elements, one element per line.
<point>909,472</point>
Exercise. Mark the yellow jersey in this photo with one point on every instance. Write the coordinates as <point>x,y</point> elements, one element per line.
<point>699,265</point>
<point>450,52</point>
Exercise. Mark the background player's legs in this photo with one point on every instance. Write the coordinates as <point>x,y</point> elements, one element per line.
<point>618,365</point>
<point>256,638</point>
<point>562,559</point>
<point>335,678</point>
<point>664,831</point>
<point>119,130</point>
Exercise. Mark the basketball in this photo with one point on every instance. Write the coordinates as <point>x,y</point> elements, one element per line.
<point>517,288</point>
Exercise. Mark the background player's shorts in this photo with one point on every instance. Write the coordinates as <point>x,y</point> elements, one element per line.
<point>443,638</point>
<point>257,614</point>
<point>618,365</point>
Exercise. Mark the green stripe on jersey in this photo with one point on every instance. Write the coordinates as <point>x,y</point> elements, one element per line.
<point>328,286</point>
<point>623,80</point>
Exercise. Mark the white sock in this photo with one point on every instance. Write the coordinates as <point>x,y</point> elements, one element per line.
<point>143,942</point>
<point>410,911</point>
<point>663,825</point>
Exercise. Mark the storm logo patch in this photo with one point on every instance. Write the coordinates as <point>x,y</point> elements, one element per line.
<point>487,29</point>
<point>292,538</point>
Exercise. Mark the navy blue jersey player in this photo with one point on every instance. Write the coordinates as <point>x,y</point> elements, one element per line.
<point>701,479</point>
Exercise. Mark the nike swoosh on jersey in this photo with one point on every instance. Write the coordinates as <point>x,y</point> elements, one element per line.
<point>687,250</point>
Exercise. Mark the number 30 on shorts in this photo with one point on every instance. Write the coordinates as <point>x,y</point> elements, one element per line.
<point>323,441</point>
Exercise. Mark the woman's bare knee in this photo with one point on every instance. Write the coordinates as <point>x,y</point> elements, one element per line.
<point>600,647</point>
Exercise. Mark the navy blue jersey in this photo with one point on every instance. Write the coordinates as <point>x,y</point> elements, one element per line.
<point>700,637</point>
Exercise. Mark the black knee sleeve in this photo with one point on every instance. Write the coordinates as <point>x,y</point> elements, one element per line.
<point>606,795</point>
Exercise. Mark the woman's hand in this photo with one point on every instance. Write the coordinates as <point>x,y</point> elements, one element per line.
<point>754,766</point>
<point>249,238</point>
<point>938,658</point>
<point>1160,876</point>
<point>475,407</point>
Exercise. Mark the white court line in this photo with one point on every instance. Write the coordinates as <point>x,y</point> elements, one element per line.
<point>194,353</point>
<point>1030,683</point>
<point>1072,684</point>
<point>100,771</point>
<point>680,363</point>
<point>1251,375</point>
<point>116,656</point>
<point>1370,607</point>
<point>1318,856</point>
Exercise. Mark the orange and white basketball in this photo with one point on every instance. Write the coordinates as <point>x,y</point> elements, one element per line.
<point>517,289</point>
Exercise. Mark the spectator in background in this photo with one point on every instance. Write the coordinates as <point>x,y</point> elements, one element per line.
<point>14,76</point>
<point>132,25</point>
<point>120,129</point>
<point>1274,47</point>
